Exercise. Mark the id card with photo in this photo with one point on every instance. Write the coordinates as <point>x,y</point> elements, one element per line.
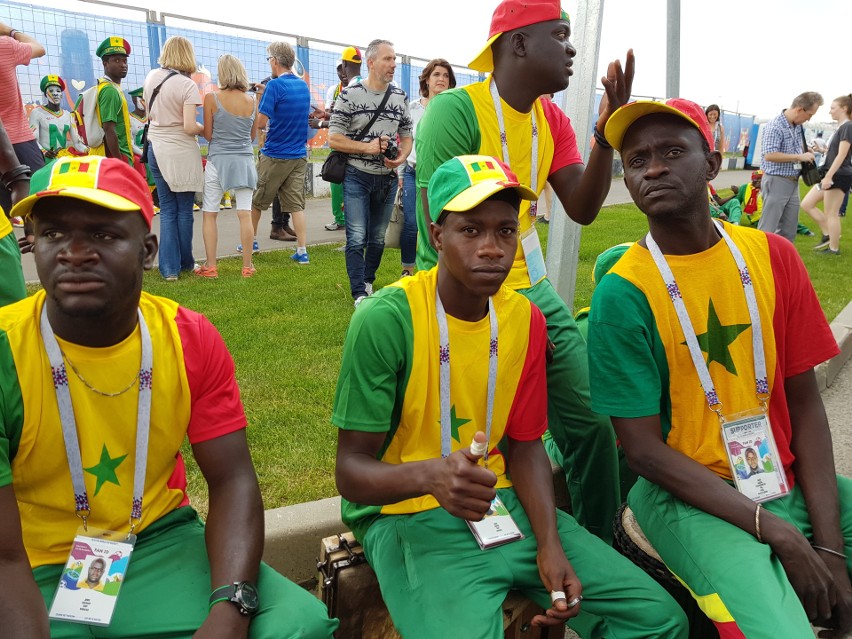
<point>533,255</point>
<point>753,456</point>
<point>496,528</point>
<point>92,578</point>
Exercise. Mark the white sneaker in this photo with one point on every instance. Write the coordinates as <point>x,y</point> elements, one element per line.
<point>359,299</point>
<point>368,286</point>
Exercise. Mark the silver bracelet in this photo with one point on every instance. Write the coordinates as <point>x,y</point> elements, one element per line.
<point>829,551</point>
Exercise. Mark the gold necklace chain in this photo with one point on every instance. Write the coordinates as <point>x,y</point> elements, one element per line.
<point>92,388</point>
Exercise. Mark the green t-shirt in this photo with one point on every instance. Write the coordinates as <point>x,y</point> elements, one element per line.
<point>112,107</point>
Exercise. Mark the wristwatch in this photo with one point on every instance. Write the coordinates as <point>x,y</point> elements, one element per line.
<point>240,593</point>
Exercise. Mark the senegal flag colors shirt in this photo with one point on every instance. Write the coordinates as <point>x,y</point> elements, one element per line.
<point>639,362</point>
<point>195,394</point>
<point>389,381</point>
<point>462,122</point>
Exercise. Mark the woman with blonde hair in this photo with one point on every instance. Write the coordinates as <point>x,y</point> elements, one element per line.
<point>230,125</point>
<point>173,154</point>
<point>837,178</point>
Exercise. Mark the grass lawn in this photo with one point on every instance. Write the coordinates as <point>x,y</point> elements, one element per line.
<point>285,329</point>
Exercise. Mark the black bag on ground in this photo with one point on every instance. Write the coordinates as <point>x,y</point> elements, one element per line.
<point>334,167</point>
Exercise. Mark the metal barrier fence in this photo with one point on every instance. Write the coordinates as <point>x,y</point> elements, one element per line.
<point>71,38</point>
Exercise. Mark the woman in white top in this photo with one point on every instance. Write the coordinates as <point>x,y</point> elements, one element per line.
<point>714,116</point>
<point>437,76</point>
<point>173,154</point>
<point>230,125</point>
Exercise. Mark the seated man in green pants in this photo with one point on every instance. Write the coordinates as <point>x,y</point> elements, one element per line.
<point>702,343</point>
<point>432,363</point>
<point>529,54</point>
<point>100,384</point>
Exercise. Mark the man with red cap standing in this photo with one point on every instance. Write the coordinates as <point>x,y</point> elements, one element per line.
<point>702,341</point>
<point>100,384</point>
<point>529,54</point>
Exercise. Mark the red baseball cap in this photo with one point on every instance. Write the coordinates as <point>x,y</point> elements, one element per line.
<point>514,14</point>
<point>107,182</point>
<point>623,118</point>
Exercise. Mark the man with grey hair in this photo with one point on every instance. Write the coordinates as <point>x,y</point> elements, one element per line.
<point>783,153</point>
<point>370,183</point>
<point>281,164</point>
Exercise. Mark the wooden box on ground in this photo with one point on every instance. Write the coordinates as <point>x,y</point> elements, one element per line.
<point>349,588</point>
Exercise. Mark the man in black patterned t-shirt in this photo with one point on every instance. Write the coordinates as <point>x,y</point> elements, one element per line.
<point>370,183</point>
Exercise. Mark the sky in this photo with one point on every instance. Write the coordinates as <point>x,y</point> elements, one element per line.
<point>749,56</point>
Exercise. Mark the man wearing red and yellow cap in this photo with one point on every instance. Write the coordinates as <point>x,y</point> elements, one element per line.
<point>113,112</point>
<point>529,54</point>
<point>432,363</point>
<point>703,340</point>
<point>101,383</point>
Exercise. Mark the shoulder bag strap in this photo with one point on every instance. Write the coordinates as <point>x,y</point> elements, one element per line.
<point>375,117</point>
<point>156,92</point>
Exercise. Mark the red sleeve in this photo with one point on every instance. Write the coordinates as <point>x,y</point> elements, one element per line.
<point>565,151</point>
<point>22,53</point>
<point>216,407</point>
<point>528,415</point>
<point>802,334</point>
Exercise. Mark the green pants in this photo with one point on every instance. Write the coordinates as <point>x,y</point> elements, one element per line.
<point>437,582</point>
<point>585,439</point>
<point>166,593</point>
<point>12,287</point>
<point>337,202</point>
<point>736,580</point>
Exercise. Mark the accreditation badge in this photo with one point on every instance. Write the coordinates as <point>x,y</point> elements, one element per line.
<point>753,456</point>
<point>496,528</point>
<point>533,255</point>
<point>92,578</point>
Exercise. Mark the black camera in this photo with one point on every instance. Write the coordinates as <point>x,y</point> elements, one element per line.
<point>392,151</point>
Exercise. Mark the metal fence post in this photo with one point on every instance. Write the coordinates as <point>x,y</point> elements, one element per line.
<point>405,75</point>
<point>563,244</point>
<point>156,35</point>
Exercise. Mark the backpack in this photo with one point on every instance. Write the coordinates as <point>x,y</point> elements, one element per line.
<point>85,116</point>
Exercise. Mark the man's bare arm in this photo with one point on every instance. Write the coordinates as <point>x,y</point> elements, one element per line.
<point>22,609</point>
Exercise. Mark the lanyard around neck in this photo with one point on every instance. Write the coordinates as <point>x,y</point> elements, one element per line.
<point>444,359</point>
<point>69,422</point>
<point>504,141</point>
<point>759,356</point>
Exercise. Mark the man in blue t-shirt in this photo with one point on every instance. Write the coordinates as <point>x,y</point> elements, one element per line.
<point>285,104</point>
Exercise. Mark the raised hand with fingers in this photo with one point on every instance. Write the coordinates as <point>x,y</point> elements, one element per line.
<point>618,85</point>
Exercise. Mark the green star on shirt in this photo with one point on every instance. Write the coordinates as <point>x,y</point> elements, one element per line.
<point>718,338</point>
<point>104,470</point>
<point>456,423</point>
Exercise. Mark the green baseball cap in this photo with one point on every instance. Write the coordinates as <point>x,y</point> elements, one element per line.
<point>463,182</point>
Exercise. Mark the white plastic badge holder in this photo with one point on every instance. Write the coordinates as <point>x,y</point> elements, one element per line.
<point>533,254</point>
<point>753,456</point>
<point>92,578</point>
<point>496,528</point>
